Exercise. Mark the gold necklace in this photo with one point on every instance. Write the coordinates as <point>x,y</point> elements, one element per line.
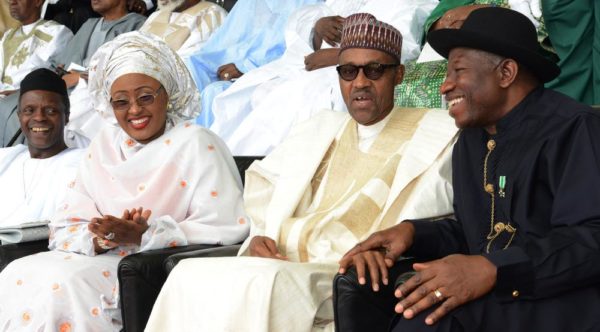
<point>495,228</point>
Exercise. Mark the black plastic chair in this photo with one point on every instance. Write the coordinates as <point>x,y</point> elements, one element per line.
<point>10,252</point>
<point>358,308</point>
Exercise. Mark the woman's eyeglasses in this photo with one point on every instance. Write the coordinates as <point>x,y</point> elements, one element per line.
<point>372,71</point>
<point>144,99</point>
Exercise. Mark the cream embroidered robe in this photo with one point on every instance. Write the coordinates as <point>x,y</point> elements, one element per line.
<point>404,175</point>
<point>24,51</point>
<point>187,31</point>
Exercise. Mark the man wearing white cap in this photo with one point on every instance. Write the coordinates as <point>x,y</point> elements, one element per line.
<point>335,179</point>
<point>257,112</point>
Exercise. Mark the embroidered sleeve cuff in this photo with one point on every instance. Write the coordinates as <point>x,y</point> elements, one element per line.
<point>163,232</point>
<point>515,276</point>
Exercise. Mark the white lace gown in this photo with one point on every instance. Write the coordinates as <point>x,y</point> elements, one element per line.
<point>188,179</point>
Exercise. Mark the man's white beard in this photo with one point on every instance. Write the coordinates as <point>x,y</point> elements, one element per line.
<point>171,5</point>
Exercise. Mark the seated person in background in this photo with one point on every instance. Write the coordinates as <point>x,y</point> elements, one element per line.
<point>70,13</point>
<point>185,25</point>
<point>191,194</point>
<point>251,36</point>
<point>24,49</point>
<point>527,162</point>
<point>34,177</point>
<point>421,86</point>
<point>96,31</point>
<point>6,20</point>
<point>336,179</point>
<point>30,45</point>
<point>574,30</point>
<point>85,122</point>
<point>257,112</point>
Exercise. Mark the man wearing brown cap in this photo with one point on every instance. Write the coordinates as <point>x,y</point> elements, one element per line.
<point>331,183</point>
<point>34,177</point>
<point>524,251</point>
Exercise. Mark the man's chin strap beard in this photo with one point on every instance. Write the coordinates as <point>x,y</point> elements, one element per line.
<point>172,5</point>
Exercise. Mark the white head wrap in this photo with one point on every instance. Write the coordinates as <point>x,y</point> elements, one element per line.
<point>141,53</point>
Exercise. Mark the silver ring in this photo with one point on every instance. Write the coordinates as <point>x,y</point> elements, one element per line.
<point>226,76</point>
<point>438,294</point>
<point>110,236</point>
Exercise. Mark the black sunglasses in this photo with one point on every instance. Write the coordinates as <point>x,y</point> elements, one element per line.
<point>372,71</point>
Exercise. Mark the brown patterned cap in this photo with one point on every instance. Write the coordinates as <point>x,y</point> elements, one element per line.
<point>363,30</point>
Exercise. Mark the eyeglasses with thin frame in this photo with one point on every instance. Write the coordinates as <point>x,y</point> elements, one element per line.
<point>372,71</point>
<point>145,99</point>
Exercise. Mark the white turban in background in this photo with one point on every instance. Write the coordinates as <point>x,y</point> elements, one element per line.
<point>140,53</point>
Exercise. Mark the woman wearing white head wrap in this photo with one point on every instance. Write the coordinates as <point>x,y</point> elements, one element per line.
<point>181,176</point>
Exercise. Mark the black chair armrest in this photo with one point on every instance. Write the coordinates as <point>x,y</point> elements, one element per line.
<point>224,251</point>
<point>357,307</point>
<point>10,252</point>
<point>141,277</point>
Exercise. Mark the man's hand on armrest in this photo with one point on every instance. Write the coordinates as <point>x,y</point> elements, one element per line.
<point>378,253</point>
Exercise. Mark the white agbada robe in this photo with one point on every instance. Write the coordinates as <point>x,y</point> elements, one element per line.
<point>190,28</point>
<point>186,177</point>
<point>32,188</point>
<point>258,294</point>
<point>42,40</point>
<point>256,113</point>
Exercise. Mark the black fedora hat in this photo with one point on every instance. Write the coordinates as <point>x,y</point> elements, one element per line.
<point>500,31</point>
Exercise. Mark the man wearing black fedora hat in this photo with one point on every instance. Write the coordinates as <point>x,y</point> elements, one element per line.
<point>524,245</point>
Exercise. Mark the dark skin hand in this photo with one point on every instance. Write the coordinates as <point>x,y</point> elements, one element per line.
<point>262,246</point>
<point>8,92</point>
<point>329,30</point>
<point>137,6</point>
<point>321,59</point>
<point>229,69</point>
<point>128,229</point>
<point>378,253</point>
<point>71,79</point>
<point>454,18</point>
<point>459,278</point>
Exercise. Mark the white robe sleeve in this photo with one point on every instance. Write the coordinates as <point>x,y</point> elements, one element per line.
<point>261,179</point>
<point>69,226</point>
<point>62,35</point>
<point>299,30</point>
<point>2,85</point>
